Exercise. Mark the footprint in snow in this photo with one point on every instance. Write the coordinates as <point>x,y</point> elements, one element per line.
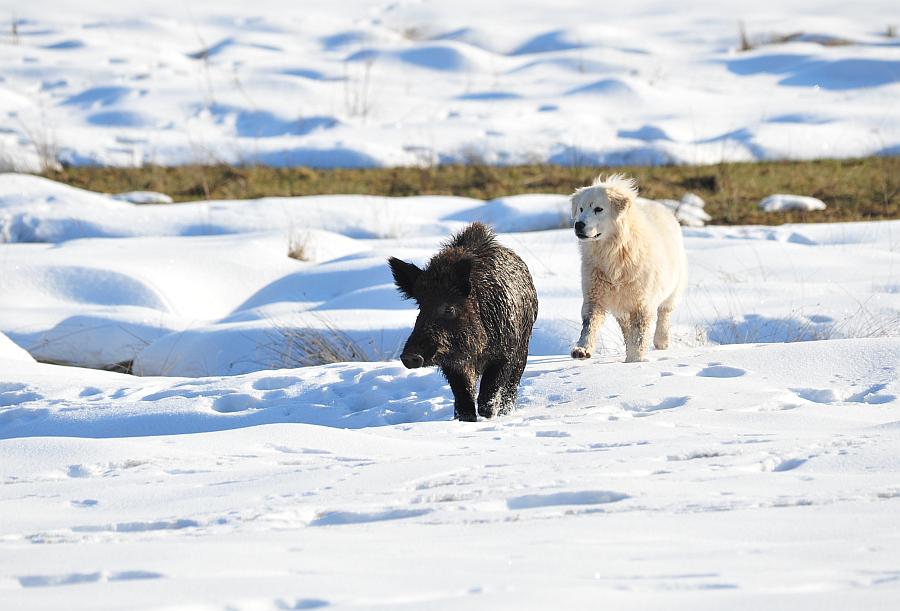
<point>552,434</point>
<point>716,370</point>
<point>335,518</point>
<point>645,409</point>
<point>275,382</point>
<point>872,395</point>
<point>235,402</point>
<point>84,502</point>
<point>778,465</point>
<point>582,497</point>
<point>16,394</point>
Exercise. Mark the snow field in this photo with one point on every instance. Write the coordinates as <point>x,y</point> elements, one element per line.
<point>354,84</point>
<point>705,477</point>
<point>746,466</point>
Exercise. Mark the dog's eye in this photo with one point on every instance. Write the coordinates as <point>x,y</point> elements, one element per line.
<point>581,209</point>
<point>598,210</point>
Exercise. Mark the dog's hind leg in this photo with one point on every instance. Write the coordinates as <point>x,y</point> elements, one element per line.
<point>661,337</point>
<point>592,317</point>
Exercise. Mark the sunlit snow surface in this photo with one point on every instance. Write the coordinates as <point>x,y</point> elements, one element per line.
<point>355,83</point>
<point>752,465</point>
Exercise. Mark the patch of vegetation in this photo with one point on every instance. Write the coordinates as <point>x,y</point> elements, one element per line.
<point>748,43</point>
<point>853,189</point>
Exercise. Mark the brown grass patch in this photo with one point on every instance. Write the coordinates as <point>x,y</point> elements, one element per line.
<point>853,189</point>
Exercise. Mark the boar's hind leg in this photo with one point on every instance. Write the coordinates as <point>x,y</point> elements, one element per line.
<point>463,386</point>
<point>511,386</point>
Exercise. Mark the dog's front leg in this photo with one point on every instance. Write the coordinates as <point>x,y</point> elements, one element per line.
<point>592,316</point>
<point>638,337</point>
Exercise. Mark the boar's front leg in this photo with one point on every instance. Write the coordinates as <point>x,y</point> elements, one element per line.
<point>490,396</point>
<point>462,383</point>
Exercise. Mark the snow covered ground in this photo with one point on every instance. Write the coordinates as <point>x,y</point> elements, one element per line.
<point>755,464</point>
<point>207,288</point>
<point>355,83</point>
<point>747,467</point>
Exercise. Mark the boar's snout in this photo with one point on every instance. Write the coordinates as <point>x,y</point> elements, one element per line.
<point>412,361</point>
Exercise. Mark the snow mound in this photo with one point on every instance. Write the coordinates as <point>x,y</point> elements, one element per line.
<point>143,197</point>
<point>689,210</point>
<point>34,209</point>
<point>781,202</point>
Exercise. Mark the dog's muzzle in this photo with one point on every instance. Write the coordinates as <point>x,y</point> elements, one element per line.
<point>581,235</point>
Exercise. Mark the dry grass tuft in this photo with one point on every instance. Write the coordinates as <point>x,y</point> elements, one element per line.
<point>299,246</point>
<point>748,43</point>
<point>290,347</point>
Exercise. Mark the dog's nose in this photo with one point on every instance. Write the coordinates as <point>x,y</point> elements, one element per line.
<point>412,361</point>
<point>579,227</point>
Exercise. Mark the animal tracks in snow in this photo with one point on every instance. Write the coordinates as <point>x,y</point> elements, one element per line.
<point>235,402</point>
<point>583,497</point>
<point>15,394</point>
<point>641,408</point>
<point>275,382</point>
<point>872,395</point>
<point>721,371</point>
<point>336,518</point>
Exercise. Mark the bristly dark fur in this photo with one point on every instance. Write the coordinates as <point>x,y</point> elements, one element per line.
<point>477,307</point>
<point>475,237</point>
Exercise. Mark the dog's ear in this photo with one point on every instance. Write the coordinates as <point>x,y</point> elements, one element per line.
<point>575,198</point>
<point>619,198</point>
<point>405,276</point>
<point>621,191</point>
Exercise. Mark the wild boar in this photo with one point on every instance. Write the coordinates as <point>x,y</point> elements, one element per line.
<point>477,306</point>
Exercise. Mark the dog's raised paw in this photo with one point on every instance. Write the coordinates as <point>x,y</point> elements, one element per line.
<point>580,353</point>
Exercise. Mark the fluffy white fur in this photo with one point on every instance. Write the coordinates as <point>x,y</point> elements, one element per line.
<point>633,265</point>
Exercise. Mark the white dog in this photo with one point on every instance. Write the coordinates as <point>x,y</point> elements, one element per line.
<point>633,265</point>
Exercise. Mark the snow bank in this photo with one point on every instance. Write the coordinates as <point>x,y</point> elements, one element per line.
<point>34,209</point>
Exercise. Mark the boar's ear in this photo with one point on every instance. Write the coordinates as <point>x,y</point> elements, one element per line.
<point>405,276</point>
<point>462,271</point>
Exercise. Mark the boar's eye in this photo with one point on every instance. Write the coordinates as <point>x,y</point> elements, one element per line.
<point>598,210</point>
<point>448,312</point>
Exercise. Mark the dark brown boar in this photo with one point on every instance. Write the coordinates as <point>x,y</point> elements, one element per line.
<point>477,306</point>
